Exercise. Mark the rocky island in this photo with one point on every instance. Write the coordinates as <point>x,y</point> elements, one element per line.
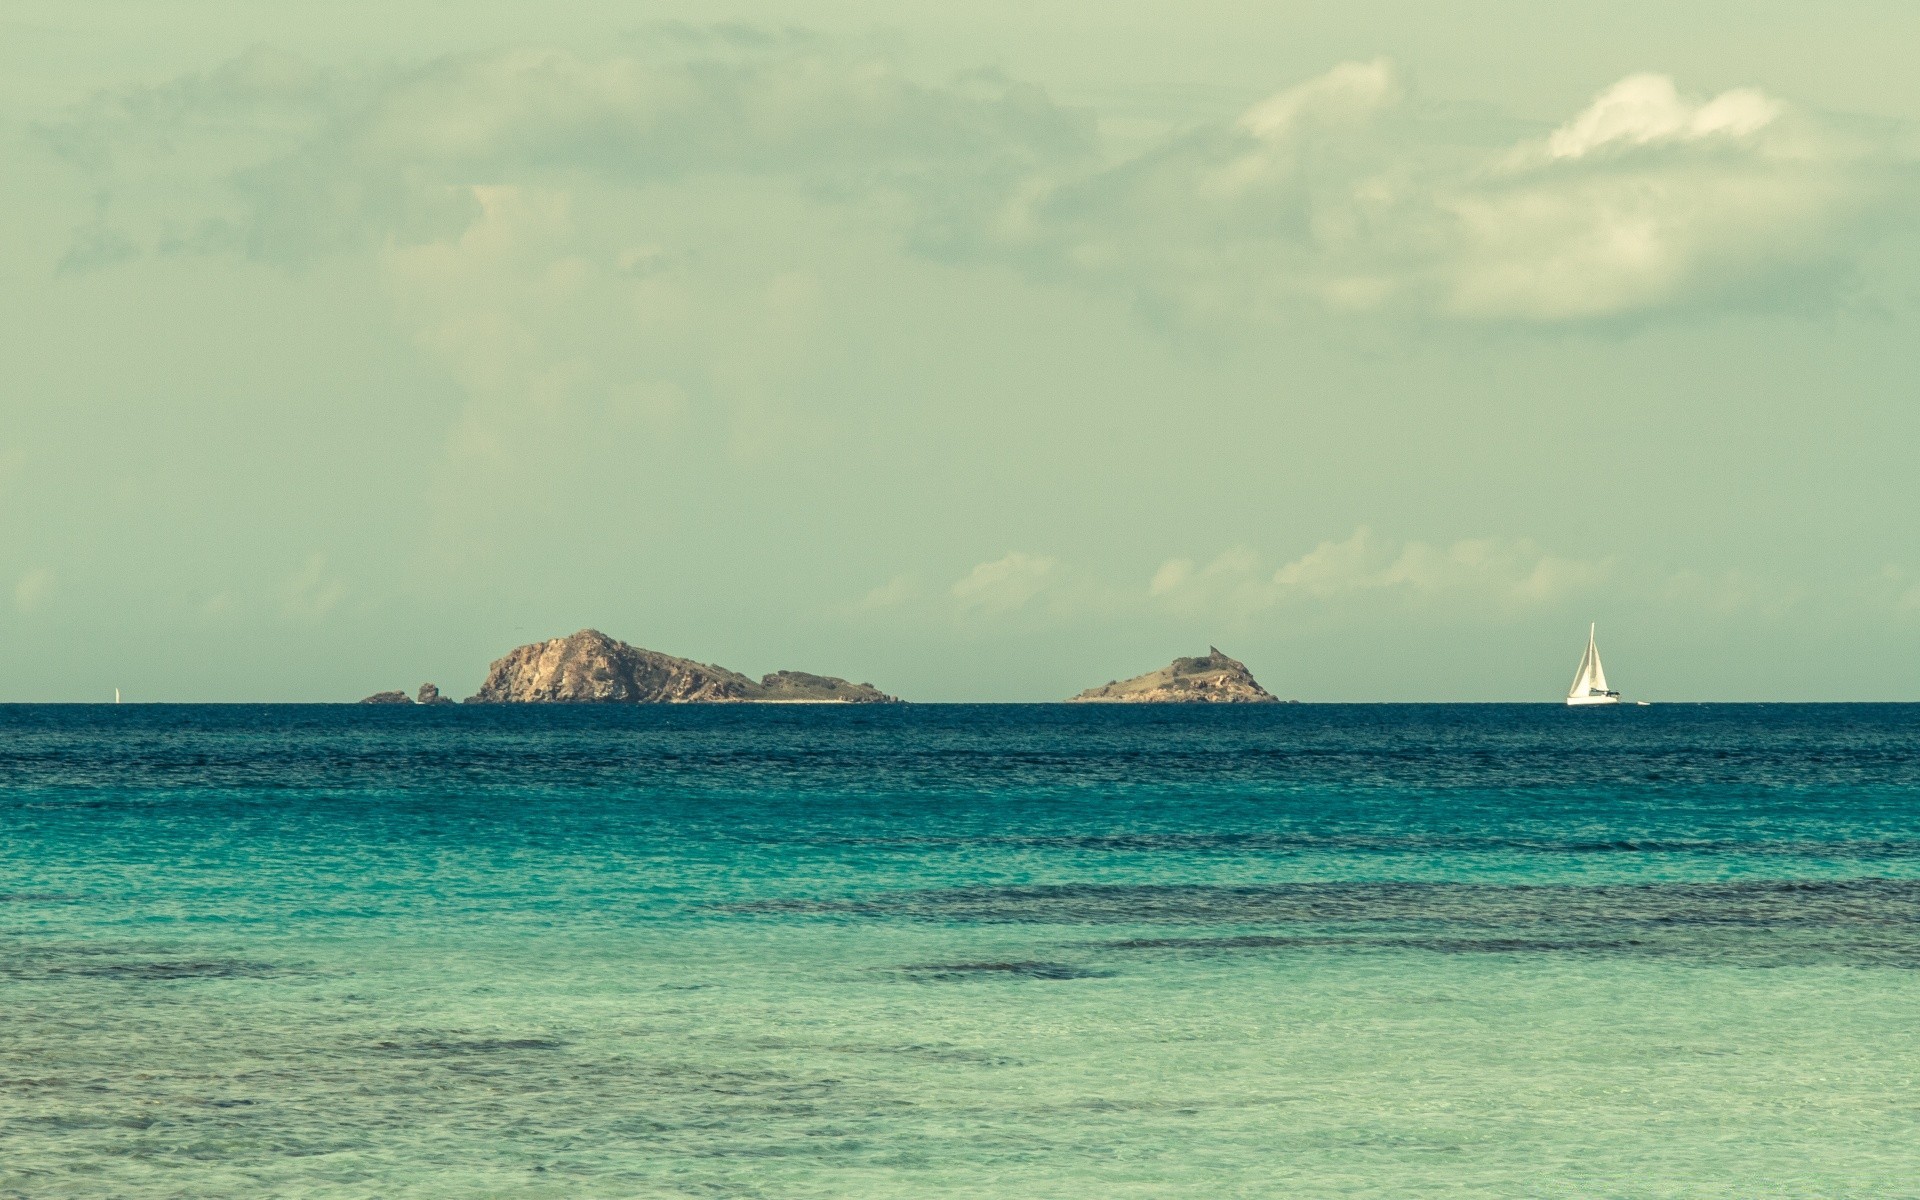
<point>1215,679</point>
<point>591,668</point>
<point>429,695</point>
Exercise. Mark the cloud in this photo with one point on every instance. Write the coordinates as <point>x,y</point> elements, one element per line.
<point>1338,195</point>
<point>167,165</point>
<point>1644,109</point>
<point>33,590</point>
<point>635,117</point>
<point>1508,573</point>
<point>1006,584</point>
<point>1501,575</point>
<point>1366,578</point>
<point>274,158</point>
<point>1648,199</point>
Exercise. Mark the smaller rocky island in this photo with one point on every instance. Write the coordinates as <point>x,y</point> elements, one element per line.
<point>1215,679</point>
<point>429,694</point>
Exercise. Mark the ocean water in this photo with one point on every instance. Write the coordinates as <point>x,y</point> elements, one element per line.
<point>1003,951</point>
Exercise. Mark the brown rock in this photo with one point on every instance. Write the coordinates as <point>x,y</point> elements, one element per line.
<point>1215,679</point>
<point>592,668</point>
<point>430,694</point>
<point>387,698</point>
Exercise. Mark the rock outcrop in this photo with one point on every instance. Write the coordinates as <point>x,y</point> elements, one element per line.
<point>592,668</point>
<point>387,698</point>
<point>430,694</point>
<point>1215,679</point>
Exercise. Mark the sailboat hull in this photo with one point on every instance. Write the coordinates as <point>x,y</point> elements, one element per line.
<point>1590,701</point>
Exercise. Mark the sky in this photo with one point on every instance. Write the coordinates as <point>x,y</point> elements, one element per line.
<point>983,351</point>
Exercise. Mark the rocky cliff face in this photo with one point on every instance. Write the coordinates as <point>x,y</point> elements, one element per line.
<point>1215,679</point>
<point>430,694</point>
<point>592,668</point>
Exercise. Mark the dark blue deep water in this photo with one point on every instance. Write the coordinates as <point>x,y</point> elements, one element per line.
<point>1474,950</point>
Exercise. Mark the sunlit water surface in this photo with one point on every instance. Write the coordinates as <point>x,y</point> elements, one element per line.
<point>995,952</point>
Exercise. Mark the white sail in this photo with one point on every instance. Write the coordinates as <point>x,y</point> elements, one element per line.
<point>1598,679</point>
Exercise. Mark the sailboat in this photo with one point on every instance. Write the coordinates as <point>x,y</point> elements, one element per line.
<point>1590,681</point>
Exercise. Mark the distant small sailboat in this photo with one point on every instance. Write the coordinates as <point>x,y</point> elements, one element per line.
<point>1590,681</point>
<point>116,695</point>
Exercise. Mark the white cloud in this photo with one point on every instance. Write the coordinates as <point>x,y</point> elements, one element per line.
<point>1340,102</point>
<point>1336,195</point>
<point>1496,574</point>
<point>1366,577</point>
<point>33,590</point>
<point>1350,92</point>
<point>1006,584</point>
<point>1643,109</point>
<point>1649,199</point>
<point>1509,573</point>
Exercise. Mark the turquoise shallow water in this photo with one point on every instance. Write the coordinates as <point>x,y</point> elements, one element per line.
<point>999,951</point>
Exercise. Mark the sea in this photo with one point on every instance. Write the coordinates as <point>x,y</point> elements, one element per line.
<point>969,951</point>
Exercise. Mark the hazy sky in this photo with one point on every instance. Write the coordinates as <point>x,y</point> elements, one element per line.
<point>981,350</point>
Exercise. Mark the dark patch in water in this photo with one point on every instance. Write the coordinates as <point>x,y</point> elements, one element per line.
<point>940,1054</point>
<point>1439,944</point>
<point>1307,841</point>
<point>1766,903</point>
<point>1873,922</point>
<point>141,971</point>
<point>1736,947</point>
<point>443,1047</point>
<point>1020,970</point>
